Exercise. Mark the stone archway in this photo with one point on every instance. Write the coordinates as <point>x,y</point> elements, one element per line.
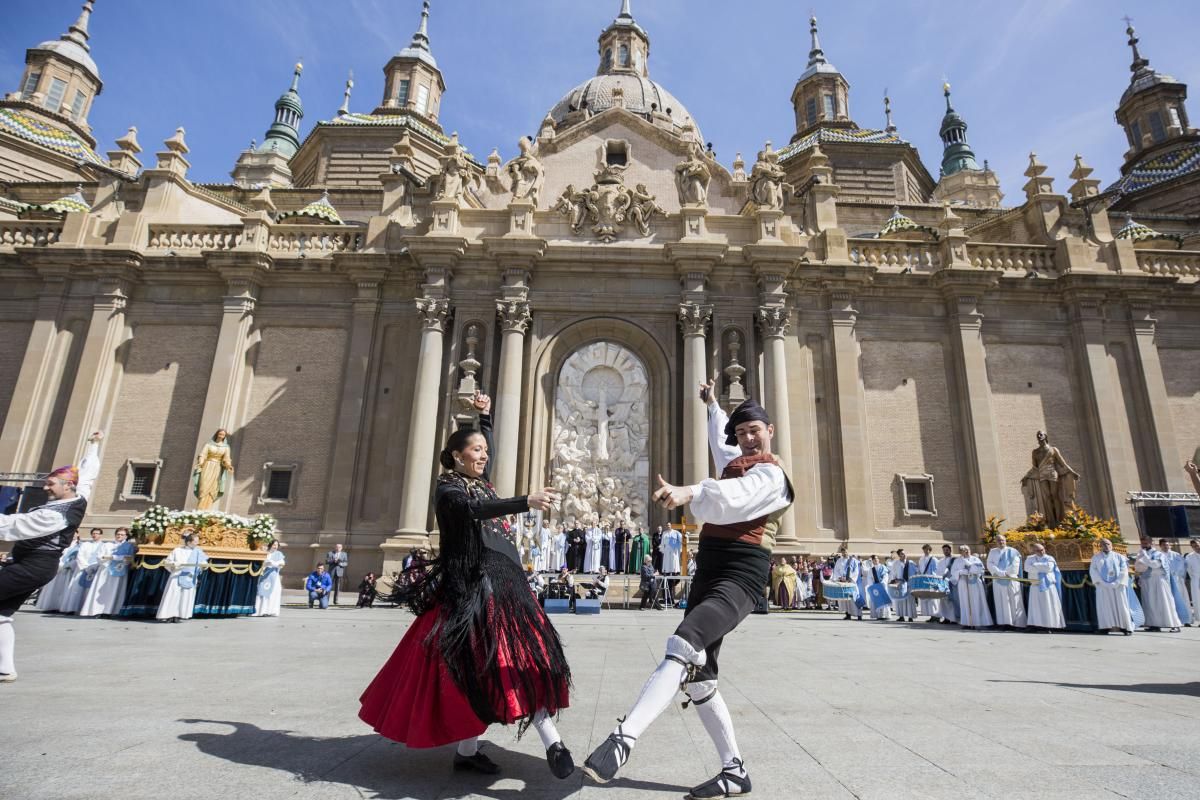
<point>549,356</point>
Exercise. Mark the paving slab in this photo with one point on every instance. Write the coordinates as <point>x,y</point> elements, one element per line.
<point>825,708</point>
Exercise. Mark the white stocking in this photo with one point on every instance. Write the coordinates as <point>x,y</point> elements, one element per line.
<point>715,716</point>
<point>660,689</point>
<point>7,644</point>
<point>468,747</point>
<point>544,725</point>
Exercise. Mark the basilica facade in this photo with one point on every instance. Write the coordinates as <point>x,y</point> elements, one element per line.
<point>336,306</point>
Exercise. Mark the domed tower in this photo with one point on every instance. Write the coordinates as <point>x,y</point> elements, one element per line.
<point>267,164</point>
<point>962,179</point>
<point>1162,166</point>
<point>821,97</point>
<point>412,81</point>
<point>43,123</point>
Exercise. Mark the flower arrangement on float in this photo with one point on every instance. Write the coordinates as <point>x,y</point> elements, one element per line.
<point>159,524</point>
<point>1073,541</point>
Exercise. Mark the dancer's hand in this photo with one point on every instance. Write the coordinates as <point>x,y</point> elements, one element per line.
<point>97,436</point>
<point>707,395</point>
<point>482,403</point>
<point>545,500</point>
<point>669,496</point>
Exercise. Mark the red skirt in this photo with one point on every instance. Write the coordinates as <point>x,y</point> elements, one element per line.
<point>415,701</point>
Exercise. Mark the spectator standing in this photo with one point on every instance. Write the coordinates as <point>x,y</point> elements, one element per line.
<point>336,561</point>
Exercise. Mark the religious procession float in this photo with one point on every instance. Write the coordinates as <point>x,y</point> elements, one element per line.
<point>236,547</point>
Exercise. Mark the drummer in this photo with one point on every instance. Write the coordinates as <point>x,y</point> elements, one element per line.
<point>847,569</point>
<point>928,565</point>
<point>900,570</point>
<point>949,606</point>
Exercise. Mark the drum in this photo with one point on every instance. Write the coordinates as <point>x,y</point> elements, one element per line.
<point>838,590</point>
<point>928,587</point>
<point>879,595</point>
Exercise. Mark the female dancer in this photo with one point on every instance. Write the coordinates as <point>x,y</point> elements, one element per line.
<point>481,649</point>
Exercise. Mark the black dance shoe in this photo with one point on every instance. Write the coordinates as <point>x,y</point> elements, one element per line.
<point>476,763</point>
<point>560,761</point>
<point>602,765</point>
<point>727,784</point>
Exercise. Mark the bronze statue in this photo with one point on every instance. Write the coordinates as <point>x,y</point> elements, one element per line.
<point>1050,484</point>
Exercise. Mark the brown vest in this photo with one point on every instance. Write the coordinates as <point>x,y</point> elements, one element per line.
<point>759,532</point>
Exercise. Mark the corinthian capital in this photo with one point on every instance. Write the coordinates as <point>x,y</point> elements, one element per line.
<point>514,315</point>
<point>773,321</point>
<point>694,318</point>
<point>434,313</point>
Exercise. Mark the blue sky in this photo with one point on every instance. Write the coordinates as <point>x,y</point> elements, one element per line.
<point>1040,75</point>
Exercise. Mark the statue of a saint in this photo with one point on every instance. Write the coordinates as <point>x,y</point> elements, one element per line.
<point>451,181</point>
<point>692,178</point>
<point>212,471</point>
<point>767,186</point>
<point>1050,484</point>
<point>527,173</point>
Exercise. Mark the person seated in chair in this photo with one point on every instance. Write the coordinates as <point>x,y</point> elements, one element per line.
<point>649,585</point>
<point>599,586</point>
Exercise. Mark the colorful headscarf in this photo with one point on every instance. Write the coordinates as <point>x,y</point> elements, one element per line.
<point>68,473</point>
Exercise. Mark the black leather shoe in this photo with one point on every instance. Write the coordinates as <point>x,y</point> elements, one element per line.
<point>476,763</point>
<point>560,761</point>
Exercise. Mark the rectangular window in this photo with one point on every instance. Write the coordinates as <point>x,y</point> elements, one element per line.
<point>1157,131</point>
<point>77,106</point>
<point>279,485</point>
<point>31,84</point>
<point>1136,128</point>
<point>142,482</point>
<point>810,109</point>
<point>1173,112</point>
<point>422,98</point>
<point>829,107</point>
<point>54,98</point>
<point>402,93</point>
<point>917,495</point>
<point>616,154</point>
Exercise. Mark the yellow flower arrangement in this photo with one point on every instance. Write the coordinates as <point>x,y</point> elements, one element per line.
<point>1075,524</point>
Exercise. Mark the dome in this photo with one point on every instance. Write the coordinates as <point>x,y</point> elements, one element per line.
<point>71,51</point>
<point>641,94</point>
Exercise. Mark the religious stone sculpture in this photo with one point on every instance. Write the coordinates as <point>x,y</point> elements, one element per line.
<point>213,470</point>
<point>451,181</point>
<point>692,178</point>
<point>608,204</point>
<point>527,173</point>
<point>1050,484</point>
<point>767,185</point>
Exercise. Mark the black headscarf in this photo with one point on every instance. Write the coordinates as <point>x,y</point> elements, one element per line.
<point>748,411</point>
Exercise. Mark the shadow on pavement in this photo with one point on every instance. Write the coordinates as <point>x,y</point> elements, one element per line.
<point>389,770</point>
<point>1186,689</point>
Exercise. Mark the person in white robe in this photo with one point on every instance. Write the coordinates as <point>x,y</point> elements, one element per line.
<point>87,564</point>
<point>1004,564</point>
<point>899,573</point>
<point>1109,572</point>
<point>1192,563</point>
<point>545,542</point>
<point>1155,582</point>
<point>107,595</point>
<point>270,585</point>
<point>949,606</point>
<point>876,572</point>
<point>1045,595</point>
<point>558,553</point>
<point>847,569</point>
<point>1177,570</point>
<point>928,565</point>
<point>52,595</point>
<point>967,575</point>
<point>185,564</point>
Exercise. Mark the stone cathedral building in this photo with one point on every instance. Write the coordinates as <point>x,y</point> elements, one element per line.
<point>337,303</point>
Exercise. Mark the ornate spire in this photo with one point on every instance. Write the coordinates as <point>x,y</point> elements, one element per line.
<point>956,153</point>
<point>625,12</point>
<point>421,37</point>
<point>816,55</point>
<point>887,112</point>
<point>345,107</point>
<point>1139,63</point>
<point>284,135</point>
<point>78,33</point>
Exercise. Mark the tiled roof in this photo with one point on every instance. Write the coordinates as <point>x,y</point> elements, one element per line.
<point>1157,169</point>
<point>320,209</point>
<point>396,120</point>
<point>840,135</point>
<point>898,225</point>
<point>63,205</point>
<point>30,129</point>
<point>12,206</point>
<point>1137,232</point>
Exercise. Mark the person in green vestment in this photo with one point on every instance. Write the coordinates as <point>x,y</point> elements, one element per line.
<point>639,550</point>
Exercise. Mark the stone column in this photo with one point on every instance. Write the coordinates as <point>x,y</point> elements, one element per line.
<point>422,447</point>
<point>856,478</point>
<point>1102,414</point>
<point>342,490</point>
<point>243,274</point>
<point>773,324</point>
<point>514,321</point>
<point>1154,388</point>
<point>693,322</point>
<point>93,378</point>
<point>975,406</point>
<point>37,382</point>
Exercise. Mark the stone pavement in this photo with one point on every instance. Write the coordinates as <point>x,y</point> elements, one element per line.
<point>262,708</point>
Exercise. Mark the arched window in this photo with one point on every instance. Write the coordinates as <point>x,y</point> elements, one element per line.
<point>608,59</point>
<point>624,55</point>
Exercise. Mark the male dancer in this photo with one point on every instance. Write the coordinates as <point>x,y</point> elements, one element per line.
<point>741,514</point>
<point>41,536</point>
